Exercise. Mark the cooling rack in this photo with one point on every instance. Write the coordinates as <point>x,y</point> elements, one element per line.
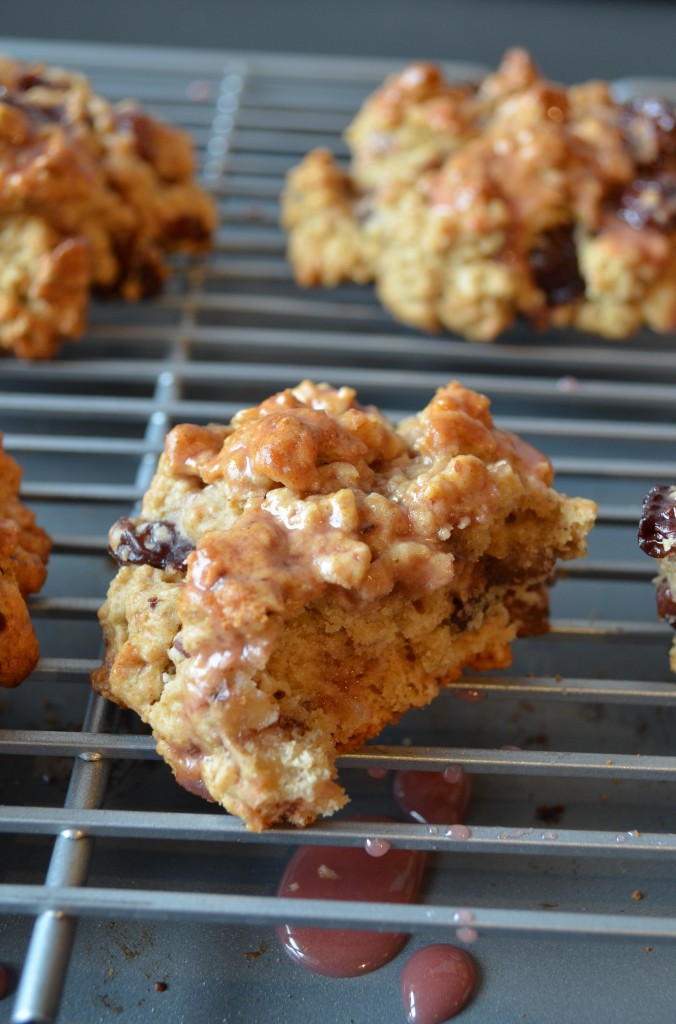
<point>124,897</point>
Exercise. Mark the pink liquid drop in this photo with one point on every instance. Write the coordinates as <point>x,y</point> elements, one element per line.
<point>463,916</point>
<point>344,873</point>
<point>437,982</point>
<point>435,798</point>
<point>376,847</point>
<point>458,832</point>
<point>377,773</point>
<point>467,935</point>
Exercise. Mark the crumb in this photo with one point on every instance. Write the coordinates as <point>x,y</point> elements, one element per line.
<point>547,906</point>
<point>604,798</point>
<point>637,895</point>
<point>610,763</point>
<point>325,872</point>
<point>649,949</point>
<point>161,986</point>
<point>635,833</point>
<point>293,887</point>
<point>549,813</point>
<point>255,953</point>
<point>558,678</point>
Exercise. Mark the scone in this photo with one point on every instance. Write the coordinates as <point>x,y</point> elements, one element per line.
<point>657,538</point>
<point>300,578</point>
<point>24,548</point>
<point>93,196</point>
<point>470,206</point>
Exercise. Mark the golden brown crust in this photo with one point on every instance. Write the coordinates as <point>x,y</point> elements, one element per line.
<point>24,548</point>
<point>303,576</point>
<point>472,206</point>
<point>92,197</point>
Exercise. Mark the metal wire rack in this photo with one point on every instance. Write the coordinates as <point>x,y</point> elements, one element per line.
<point>176,902</point>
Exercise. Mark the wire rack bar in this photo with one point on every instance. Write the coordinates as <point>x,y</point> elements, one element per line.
<point>216,907</point>
<point>501,840</point>
<point>560,764</point>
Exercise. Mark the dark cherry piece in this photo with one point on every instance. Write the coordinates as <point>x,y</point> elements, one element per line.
<point>437,982</point>
<point>650,202</point>
<point>344,873</point>
<point>159,544</point>
<point>657,527</point>
<point>186,226</point>
<point>553,262</point>
<point>649,126</point>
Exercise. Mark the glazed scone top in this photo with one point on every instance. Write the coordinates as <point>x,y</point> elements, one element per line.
<point>311,491</point>
<point>471,206</point>
<point>543,149</point>
<point>54,131</point>
<point>93,195</point>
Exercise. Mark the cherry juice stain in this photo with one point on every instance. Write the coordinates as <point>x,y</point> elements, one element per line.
<point>344,873</point>
<point>435,798</point>
<point>437,982</point>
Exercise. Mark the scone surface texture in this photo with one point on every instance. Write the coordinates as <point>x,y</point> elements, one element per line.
<point>472,206</point>
<point>302,576</point>
<point>24,549</point>
<point>93,196</point>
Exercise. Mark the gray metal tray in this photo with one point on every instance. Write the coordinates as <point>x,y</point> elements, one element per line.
<point>113,879</point>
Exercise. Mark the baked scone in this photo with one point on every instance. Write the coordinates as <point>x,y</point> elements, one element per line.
<point>472,206</point>
<point>657,538</point>
<point>93,195</point>
<point>301,577</point>
<point>24,548</point>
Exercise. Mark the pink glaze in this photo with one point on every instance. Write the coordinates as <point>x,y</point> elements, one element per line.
<point>467,935</point>
<point>188,766</point>
<point>344,873</point>
<point>437,982</point>
<point>377,773</point>
<point>439,798</point>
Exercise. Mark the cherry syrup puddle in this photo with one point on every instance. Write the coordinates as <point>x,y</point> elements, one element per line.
<point>437,980</point>
<point>434,798</point>
<point>348,873</point>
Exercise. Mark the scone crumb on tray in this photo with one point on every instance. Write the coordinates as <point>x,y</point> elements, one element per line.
<point>299,578</point>
<point>24,549</point>
<point>93,196</point>
<point>471,206</point>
